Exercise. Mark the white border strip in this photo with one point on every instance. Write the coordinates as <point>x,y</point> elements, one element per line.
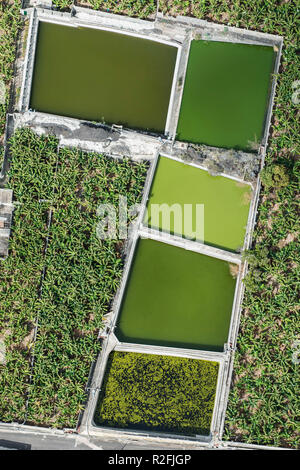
<point>29,62</point>
<point>173,90</point>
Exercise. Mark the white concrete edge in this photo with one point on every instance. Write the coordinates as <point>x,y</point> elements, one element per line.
<point>2,172</point>
<point>155,437</point>
<point>75,22</point>
<point>180,97</point>
<point>148,188</point>
<point>202,167</point>
<point>123,32</point>
<point>75,123</point>
<point>26,61</point>
<point>245,446</point>
<point>173,90</point>
<point>30,70</point>
<point>190,245</point>
<point>113,17</point>
<point>25,428</point>
<point>272,95</point>
<point>198,354</point>
<point>197,22</point>
<point>251,214</point>
<point>235,306</point>
<point>218,397</point>
<point>60,21</point>
<point>150,24</point>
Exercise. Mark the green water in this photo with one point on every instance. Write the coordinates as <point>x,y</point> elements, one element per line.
<point>176,297</point>
<point>102,76</point>
<point>226,94</point>
<point>226,202</point>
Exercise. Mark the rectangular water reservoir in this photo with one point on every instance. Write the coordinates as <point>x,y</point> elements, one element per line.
<point>102,76</point>
<point>225,202</point>
<point>175,297</point>
<point>157,393</point>
<point>226,94</point>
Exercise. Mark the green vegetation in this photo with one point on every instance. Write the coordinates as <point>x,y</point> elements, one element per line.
<point>63,4</point>
<point>158,393</point>
<point>275,176</point>
<point>58,277</point>
<point>10,25</point>
<point>264,402</point>
<point>138,8</point>
<point>226,203</point>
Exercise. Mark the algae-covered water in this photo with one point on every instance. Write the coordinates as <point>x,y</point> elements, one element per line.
<point>226,203</point>
<point>152,392</point>
<point>102,76</point>
<point>175,297</point>
<point>226,94</point>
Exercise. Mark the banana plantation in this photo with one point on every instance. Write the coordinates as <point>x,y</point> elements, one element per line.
<point>59,279</point>
<point>10,26</point>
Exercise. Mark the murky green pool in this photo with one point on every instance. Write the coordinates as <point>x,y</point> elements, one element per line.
<point>103,76</point>
<point>226,94</point>
<point>176,297</point>
<point>226,203</point>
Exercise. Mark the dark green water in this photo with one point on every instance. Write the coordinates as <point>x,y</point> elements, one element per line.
<point>226,202</point>
<point>226,94</point>
<point>102,76</point>
<point>176,297</point>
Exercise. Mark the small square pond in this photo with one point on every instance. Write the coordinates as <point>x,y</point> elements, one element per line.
<point>157,393</point>
<point>176,297</point>
<point>226,92</point>
<point>226,203</point>
<point>102,76</point>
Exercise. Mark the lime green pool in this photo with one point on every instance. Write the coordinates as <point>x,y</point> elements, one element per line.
<point>226,94</point>
<point>175,297</point>
<point>226,203</point>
